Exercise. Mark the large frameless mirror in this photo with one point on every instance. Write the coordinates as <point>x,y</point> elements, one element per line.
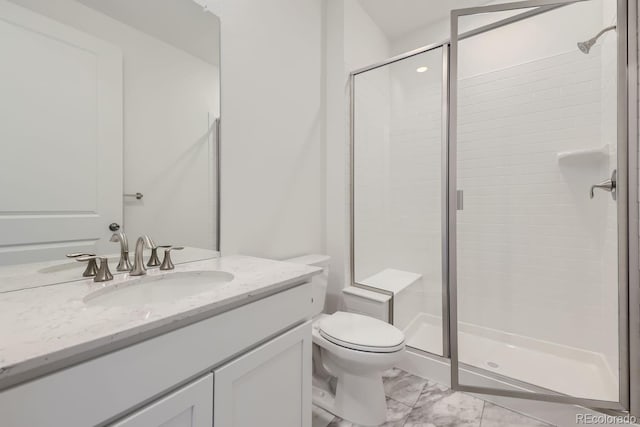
<point>110,115</point>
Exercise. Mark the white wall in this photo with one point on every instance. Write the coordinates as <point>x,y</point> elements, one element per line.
<point>273,167</point>
<point>337,160</point>
<point>353,41</point>
<point>168,95</point>
<point>437,32</point>
<point>365,44</point>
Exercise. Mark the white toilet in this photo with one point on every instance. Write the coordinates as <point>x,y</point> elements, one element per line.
<point>354,348</point>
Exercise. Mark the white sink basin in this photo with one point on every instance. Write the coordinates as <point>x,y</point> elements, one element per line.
<point>161,288</point>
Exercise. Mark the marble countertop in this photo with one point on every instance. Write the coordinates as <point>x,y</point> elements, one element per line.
<point>49,328</point>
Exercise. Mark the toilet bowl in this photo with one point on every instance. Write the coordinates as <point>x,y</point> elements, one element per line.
<point>356,350</point>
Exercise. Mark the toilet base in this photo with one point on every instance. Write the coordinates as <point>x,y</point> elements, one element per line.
<point>360,399</point>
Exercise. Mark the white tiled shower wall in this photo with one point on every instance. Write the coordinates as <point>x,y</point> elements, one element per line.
<point>531,243</point>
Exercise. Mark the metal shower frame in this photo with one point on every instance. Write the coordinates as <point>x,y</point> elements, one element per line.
<point>628,251</point>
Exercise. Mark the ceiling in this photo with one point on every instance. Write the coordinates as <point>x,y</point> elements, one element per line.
<point>181,23</point>
<point>401,17</point>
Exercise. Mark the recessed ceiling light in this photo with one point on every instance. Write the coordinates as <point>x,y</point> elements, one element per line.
<point>422,69</point>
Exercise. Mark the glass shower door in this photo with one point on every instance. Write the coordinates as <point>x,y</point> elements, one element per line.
<point>397,148</point>
<point>538,172</point>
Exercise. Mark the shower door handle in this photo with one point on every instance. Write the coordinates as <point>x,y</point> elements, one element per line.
<point>608,185</point>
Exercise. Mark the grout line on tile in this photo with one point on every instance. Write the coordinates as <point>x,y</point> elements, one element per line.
<point>484,405</point>
<point>401,403</point>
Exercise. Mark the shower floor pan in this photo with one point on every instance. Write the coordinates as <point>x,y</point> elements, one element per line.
<point>564,369</point>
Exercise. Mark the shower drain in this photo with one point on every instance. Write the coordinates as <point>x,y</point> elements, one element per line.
<point>493,365</point>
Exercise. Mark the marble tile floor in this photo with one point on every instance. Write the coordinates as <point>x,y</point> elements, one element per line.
<point>416,402</point>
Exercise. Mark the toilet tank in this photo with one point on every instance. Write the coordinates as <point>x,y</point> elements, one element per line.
<point>319,282</point>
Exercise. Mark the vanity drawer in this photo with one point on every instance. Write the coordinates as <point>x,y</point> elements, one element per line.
<point>190,406</point>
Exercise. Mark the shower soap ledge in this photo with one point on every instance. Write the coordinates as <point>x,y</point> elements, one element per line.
<point>586,154</point>
<point>391,280</point>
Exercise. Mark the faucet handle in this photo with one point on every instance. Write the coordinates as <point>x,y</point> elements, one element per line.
<point>103,273</point>
<point>167,264</point>
<point>608,185</point>
<point>154,261</point>
<point>79,254</point>
<point>92,267</point>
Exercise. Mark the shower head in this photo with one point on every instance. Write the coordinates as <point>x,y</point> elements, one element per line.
<point>586,46</point>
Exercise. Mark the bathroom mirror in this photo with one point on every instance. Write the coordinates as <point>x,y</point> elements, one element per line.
<point>110,116</point>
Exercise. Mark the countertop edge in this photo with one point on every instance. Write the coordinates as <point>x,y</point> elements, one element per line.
<point>32,369</point>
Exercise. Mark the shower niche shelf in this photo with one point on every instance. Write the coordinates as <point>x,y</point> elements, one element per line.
<point>583,155</point>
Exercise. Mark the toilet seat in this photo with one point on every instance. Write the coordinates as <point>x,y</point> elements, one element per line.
<point>363,333</point>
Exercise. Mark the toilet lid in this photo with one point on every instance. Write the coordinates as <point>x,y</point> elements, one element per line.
<point>359,332</point>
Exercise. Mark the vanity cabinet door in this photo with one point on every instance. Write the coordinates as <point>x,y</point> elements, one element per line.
<point>190,406</point>
<point>269,386</point>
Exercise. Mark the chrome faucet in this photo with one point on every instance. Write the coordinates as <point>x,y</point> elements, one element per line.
<point>92,267</point>
<point>167,264</point>
<point>138,261</point>
<point>154,261</point>
<point>102,274</point>
<point>124,264</point>
<point>609,185</point>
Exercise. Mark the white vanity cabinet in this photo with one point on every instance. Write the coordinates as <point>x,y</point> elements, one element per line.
<point>269,386</point>
<point>245,367</point>
<point>190,406</point>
